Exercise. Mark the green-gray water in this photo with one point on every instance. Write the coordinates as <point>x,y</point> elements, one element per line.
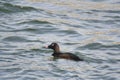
<point>88,28</point>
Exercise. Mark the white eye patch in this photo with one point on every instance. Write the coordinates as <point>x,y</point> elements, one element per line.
<point>52,44</point>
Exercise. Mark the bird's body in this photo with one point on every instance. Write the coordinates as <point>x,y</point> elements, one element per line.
<point>65,55</point>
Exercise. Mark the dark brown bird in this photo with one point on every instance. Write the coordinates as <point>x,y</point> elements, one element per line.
<point>58,54</point>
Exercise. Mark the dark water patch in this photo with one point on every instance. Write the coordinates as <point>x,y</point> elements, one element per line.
<point>114,69</point>
<point>102,77</point>
<point>34,22</point>
<point>30,78</point>
<point>113,61</point>
<point>12,70</point>
<point>67,32</point>
<point>15,39</point>
<point>42,31</point>
<point>46,31</point>
<point>68,43</point>
<point>93,60</point>
<point>112,54</point>
<point>117,2</point>
<point>102,21</point>
<point>91,46</point>
<point>63,16</point>
<point>11,77</point>
<point>117,20</point>
<point>7,46</point>
<point>36,29</point>
<point>7,59</point>
<point>23,30</point>
<point>104,67</point>
<point>8,8</point>
<point>114,17</point>
<point>94,46</point>
<point>3,27</point>
<point>4,49</point>
<point>105,77</point>
<point>20,30</point>
<point>107,11</point>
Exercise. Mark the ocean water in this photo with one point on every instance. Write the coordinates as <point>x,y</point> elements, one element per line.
<point>89,29</point>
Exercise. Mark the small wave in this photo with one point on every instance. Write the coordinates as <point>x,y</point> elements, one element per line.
<point>100,46</point>
<point>19,30</point>
<point>34,22</point>
<point>7,8</point>
<point>107,11</point>
<point>15,39</point>
<point>26,29</point>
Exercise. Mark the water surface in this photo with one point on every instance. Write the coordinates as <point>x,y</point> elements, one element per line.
<point>87,28</point>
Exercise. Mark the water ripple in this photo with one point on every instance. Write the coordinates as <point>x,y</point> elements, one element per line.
<point>101,46</point>
<point>8,8</point>
<point>15,39</point>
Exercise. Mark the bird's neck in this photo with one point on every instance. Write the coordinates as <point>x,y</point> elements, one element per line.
<point>57,50</point>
